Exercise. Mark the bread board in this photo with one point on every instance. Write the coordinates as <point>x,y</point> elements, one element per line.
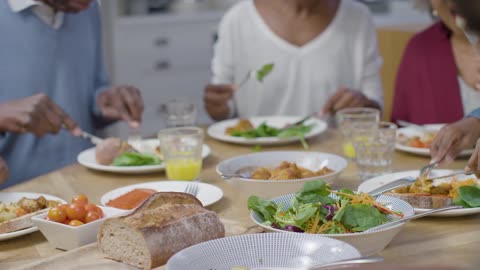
<point>89,257</point>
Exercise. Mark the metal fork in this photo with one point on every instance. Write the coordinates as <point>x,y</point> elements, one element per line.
<point>425,171</point>
<point>192,188</point>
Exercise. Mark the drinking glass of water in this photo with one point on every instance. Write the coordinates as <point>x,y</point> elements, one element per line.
<point>348,118</point>
<point>374,148</point>
<point>179,113</point>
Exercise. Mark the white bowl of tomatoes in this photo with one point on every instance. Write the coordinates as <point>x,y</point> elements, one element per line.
<point>68,226</point>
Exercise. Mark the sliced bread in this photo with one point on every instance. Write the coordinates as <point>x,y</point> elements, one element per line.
<point>426,201</point>
<point>19,223</point>
<point>147,238</point>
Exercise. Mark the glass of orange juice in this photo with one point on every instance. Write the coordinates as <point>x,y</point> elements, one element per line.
<point>182,152</point>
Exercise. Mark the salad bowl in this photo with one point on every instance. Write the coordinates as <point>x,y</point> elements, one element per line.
<point>245,187</point>
<point>368,243</point>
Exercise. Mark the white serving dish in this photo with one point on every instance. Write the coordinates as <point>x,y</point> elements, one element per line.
<point>66,237</point>
<point>244,188</point>
<point>266,251</point>
<point>368,243</point>
<point>217,130</point>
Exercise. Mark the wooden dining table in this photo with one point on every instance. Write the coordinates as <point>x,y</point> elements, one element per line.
<point>448,241</point>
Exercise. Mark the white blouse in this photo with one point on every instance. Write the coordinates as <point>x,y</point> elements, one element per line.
<point>304,78</point>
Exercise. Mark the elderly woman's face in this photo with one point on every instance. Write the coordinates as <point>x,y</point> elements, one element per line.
<point>445,11</point>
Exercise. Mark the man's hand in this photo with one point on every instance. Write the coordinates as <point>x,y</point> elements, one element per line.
<point>3,170</point>
<point>69,6</point>
<point>474,161</point>
<point>347,98</point>
<point>454,138</point>
<point>216,100</point>
<point>122,103</point>
<point>36,114</point>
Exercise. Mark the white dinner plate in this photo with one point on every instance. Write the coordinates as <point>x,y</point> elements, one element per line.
<point>411,132</point>
<point>87,159</point>
<point>217,130</point>
<point>9,197</point>
<point>378,181</point>
<point>207,194</point>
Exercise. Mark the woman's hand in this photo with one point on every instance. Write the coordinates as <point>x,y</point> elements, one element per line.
<point>474,161</point>
<point>454,138</point>
<point>3,170</point>
<point>347,98</point>
<point>216,100</point>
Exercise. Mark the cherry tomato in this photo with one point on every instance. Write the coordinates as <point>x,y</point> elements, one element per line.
<point>76,212</point>
<point>91,216</point>
<point>93,208</point>
<point>63,206</point>
<point>415,142</point>
<point>75,223</point>
<point>20,212</point>
<point>66,221</point>
<point>80,199</point>
<point>57,214</point>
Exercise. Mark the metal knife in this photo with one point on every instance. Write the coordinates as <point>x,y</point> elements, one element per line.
<point>406,181</point>
<point>92,138</point>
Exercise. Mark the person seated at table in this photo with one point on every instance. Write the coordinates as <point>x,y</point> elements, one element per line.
<point>438,80</point>
<point>324,53</point>
<point>53,81</point>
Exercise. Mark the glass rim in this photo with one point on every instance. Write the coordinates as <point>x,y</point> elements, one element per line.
<point>386,125</point>
<point>358,109</point>
<point>172,130</point>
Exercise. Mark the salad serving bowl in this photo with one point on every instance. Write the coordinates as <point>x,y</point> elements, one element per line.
<point>367,243</point>
<point>245,187</point>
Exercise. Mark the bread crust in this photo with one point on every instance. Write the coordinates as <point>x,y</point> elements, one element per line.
<point>161,198</point>
<point>19,223</point>
<point>426,201</point>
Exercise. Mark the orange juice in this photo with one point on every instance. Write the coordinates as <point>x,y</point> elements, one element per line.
<point>348,150</point>
<point>183,169</point>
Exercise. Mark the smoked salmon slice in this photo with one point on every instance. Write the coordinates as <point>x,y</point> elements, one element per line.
<point>131,199</point>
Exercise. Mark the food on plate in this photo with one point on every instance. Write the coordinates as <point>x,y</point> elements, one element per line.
<point>75,214</point>
<point>319,210</point>
<point>244,128</point>
<point>164,224</point>
<point>17,215</point>
<point>428,194</point>
<point>287,171</point>
<point>116,152</point>
<point>131,199</point>
<point>423,141</point>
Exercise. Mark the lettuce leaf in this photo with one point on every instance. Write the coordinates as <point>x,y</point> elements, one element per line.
<point>136,159</point>
<point>314,192</point>
<point>264,208</point>
<point>361,217</point>
<point>468,196</point>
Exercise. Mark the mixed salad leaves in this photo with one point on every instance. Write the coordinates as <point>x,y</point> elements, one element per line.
<point>468,196</point>
<point>136,159</point>
<point>314,210</point>
<point>264,130</point>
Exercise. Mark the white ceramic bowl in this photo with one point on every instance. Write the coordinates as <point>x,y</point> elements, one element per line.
<point>368,243</point>
<point>269,250</point>
<point>66,237</point>
<point>244,188</point>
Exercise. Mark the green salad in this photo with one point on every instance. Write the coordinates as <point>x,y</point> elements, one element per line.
<point>314,210</point>
<point>136,159</point>
<point>264,130</point>
<point>468,196</point>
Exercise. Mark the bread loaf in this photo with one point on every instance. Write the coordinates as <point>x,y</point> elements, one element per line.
<point>19,223</point>
<point>423,200</point>
<point>159,228</point>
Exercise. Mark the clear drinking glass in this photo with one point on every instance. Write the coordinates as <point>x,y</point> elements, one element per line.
<point>179,113</point>
<point>182,152</point>
<point>374,148</point>
<point>347,118</point>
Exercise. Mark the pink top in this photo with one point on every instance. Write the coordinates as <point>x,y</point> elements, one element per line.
<point>427,89</point>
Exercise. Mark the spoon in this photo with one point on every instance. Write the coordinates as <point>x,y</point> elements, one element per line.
<point>360,260</point>
<point>402,220</point>
<point>244,172</point>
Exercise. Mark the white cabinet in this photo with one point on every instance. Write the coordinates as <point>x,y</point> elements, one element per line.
<point>166,56</point>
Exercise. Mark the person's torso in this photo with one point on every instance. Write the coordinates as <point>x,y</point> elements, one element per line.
<point>37,58</point>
